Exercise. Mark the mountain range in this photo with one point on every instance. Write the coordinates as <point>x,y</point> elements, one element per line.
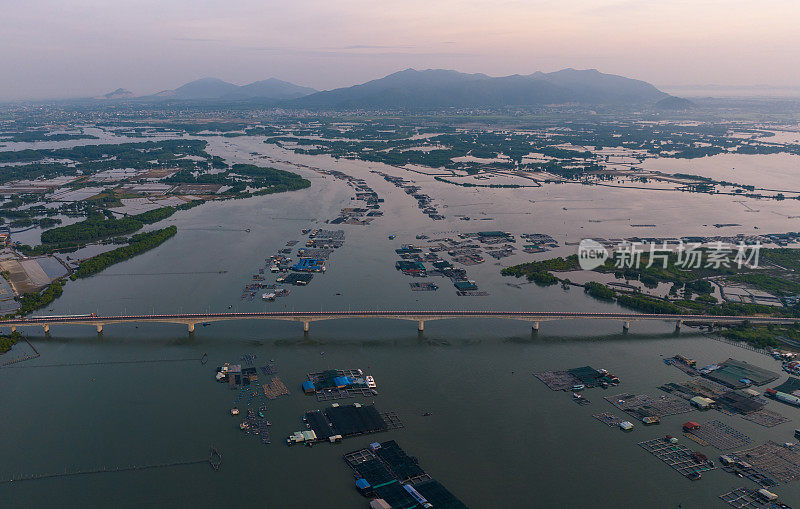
<point>437,88</point>
<point>215,88</point>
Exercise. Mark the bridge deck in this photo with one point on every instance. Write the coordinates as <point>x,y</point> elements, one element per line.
<point>421,316</point>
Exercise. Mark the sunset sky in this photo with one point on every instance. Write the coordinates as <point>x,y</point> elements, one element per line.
<point>51,49</point>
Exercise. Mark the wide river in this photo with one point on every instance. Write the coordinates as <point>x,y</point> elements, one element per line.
<point>496,436</point>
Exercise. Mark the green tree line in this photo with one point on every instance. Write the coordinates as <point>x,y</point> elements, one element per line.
<point>139,243</point>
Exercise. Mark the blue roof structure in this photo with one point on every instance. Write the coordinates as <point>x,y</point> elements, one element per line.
<point>309,265</point>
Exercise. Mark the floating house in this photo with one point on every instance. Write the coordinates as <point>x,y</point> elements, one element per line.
<point>465,285</point>
<point>410,268</point>
<point>701,403</point>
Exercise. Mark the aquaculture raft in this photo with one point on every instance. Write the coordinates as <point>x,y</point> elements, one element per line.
<point>720,435</point>
<point>336,384</point>
<point>585,375</point>
<point>396,477</point>
<point>643,405</point>
<point>350,420</point>
<point>745,498</point>
<point>608,419</point>
<point>557,380</point>
<point>780,462</point>
<point>677,456</point>
<point>275,388</point>
<point>766,418</point>
<point>732,373</point>
<point>683,364</point>
<point>334,394</point>
<point>423,287</point>
<point>748,471</point>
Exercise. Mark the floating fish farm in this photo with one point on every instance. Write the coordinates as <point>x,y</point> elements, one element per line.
<point>690,464</point>
<point>339,421</point>
<point>335,384</point>
<point>585,376</point>
<point>394,480</point>
<point>718,434</point>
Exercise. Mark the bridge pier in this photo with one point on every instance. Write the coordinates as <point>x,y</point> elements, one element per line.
<point>678,325</point>
<point>190,326</point>
<point>421,325</point>
<point>535,327</point>
<point>306,326</point>
<point>99,328</point>
<point>46,328</point>
<point>626,326</point>
<point>13,329</point>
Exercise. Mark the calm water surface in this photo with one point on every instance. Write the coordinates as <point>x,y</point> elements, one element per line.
<point>497,436</point>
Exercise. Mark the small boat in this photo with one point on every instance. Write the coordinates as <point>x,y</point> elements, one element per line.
<point>391,237</point>
<point>797,433</point>
<point>578,387</point>
<point>234,411</point>
<point>626,425</point>
<point>579,399</point>
<point>694,476</point>
<point>427,414</point>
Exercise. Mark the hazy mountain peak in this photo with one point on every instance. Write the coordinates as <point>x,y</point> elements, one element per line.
<point>120,93</point>
<point>443,88</point>
<point>215,88</point>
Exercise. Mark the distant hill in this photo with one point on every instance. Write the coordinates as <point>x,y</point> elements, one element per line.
<point>274,89</point>
<point>674,103</point>
<point>214,88</point>
<point>204,88</point>
<point>437,88</point>
<point>119,93</point>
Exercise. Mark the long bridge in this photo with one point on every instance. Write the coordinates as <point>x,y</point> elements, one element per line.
<point>306,317</point>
